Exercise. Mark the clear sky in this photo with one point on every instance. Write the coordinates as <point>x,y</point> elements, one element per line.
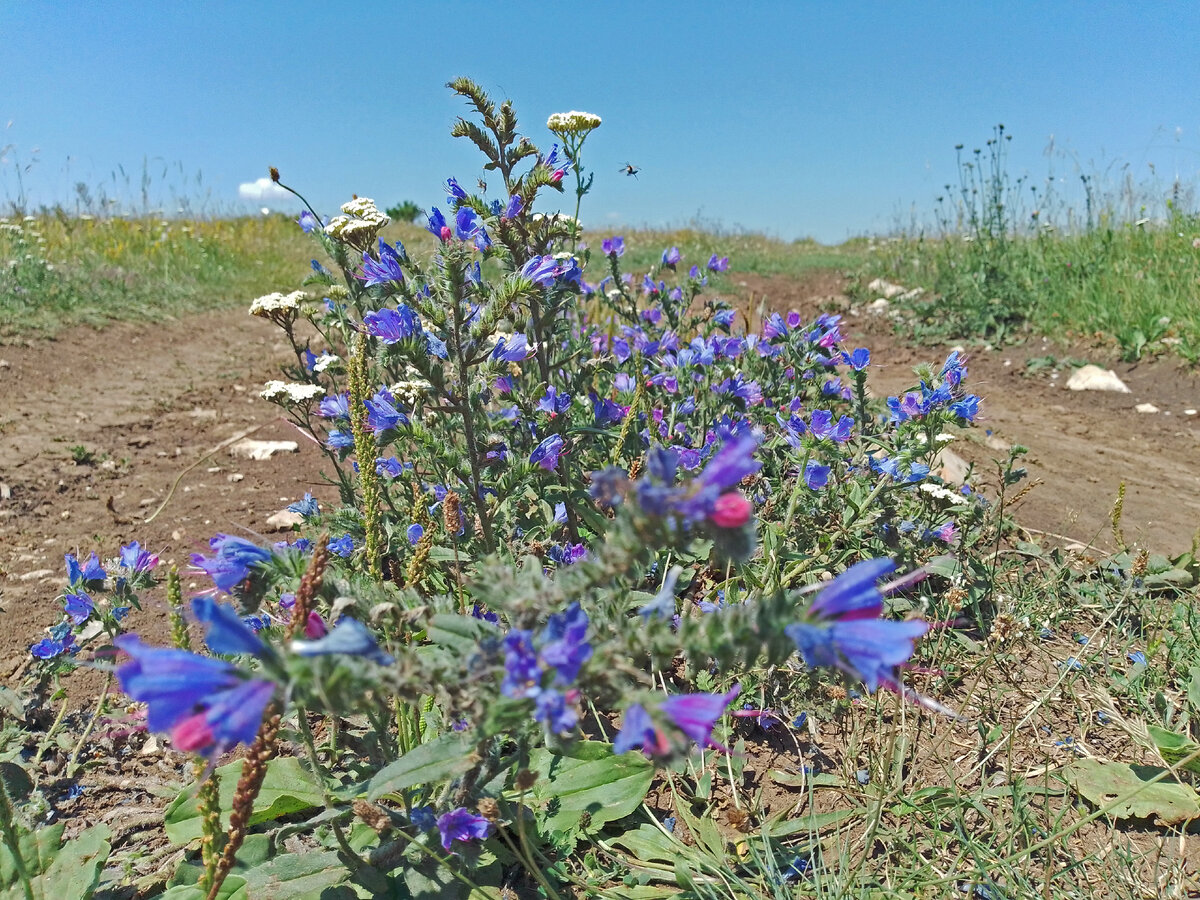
<point>799,119</point>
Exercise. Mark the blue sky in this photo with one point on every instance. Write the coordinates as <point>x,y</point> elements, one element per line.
<point>798,119</point>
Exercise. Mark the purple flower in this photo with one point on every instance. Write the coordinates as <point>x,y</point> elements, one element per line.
<point>392,325</point>
<point>91,572</point>
<point>339,439</point>
<point>540,270</point>
<point>436,225</point>
<point>868,649</point>
<point>522,674</point>
<point>696,714</point>
<point>382,413</point>
<point>718,265</point>
<point>732,463</point>
<point>823,428</point>
<point>79,607</point>
<point>50,647</point>
<point>564,645</point>
<point>206,703</point>
<point>225,631</point>
<point>514,207</point>
<point>460,825</point>
<point>774,327</point>
<point>308,222</point>
<point>954,369</point>
<point>816,476</point>
<point>385,269</point>
<point>613,246</point>
<point>853,594</point>
<point>466,223</point>
<point>513,348</point>
<point>547,452</point>
<point>335,407</point>
<point>671,257</point>
<point>454,192</point>
<point>136,560</point>
<point>553,403</point>
<point>724,318</point>
<point>415,532</point>
<point>551,708</point>
<point>234,560</point>
<point>567,554</point>
<point>637,730</point>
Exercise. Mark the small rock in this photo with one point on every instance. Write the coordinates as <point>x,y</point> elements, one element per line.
<point>65,514</point>
<point>997,443</point>
<point>36,574</point>
<point>212,470</point>
<point>878,306</point>
<point>886,288</point>
<point>177,534</point>
<point>1189,412</point>
<point>1094,378</point>
<point>950,467</point>
<point>251,449</point>
<point>284,520</point>
<point>203,415</point>
<point>6,491</point>
<point>1146,408</point>
<point>235,477</point>
<point>151,746</point>
<point>146,501</point>
<point>4,364</point>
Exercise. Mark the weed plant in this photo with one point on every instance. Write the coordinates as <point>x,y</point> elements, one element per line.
<point>616,599</point>
<point>1005,258</point>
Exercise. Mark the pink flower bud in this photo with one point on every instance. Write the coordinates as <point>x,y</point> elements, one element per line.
<point>445,233</point>
<point>731,510</point>
<point>192,734</point>
<point>315,626</point>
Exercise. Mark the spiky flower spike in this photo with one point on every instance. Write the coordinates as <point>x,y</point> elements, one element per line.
<point>365,449</point>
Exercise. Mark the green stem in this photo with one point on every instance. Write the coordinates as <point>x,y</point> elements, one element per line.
<point>72,768</point>
<point>12,841</point>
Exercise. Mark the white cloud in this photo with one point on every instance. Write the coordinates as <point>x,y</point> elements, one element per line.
<point>262,190</point>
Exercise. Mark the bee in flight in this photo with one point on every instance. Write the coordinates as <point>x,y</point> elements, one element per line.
<point>629,169</point>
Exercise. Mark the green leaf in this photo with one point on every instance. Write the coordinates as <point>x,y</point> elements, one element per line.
<point>1174,748</point>
<point>233,888</point>
<point>57,870</point>
<point>440,759</point>
<point>293,876</point>
<point>649,844</point>
<point>1101,784</point>
<point>813,823</point>
<point>288,788</point>
<point>460,634</point>
<point>589,777</point>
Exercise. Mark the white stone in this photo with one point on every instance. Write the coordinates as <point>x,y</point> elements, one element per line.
<point>1189,412</point>
<point>36,574</point>
<point>1146,408</point>
<point>878,306</point>
<point>950,467</point>
<point>284,520</point>
<point>1094,378</point>
<point>252,449</point>
<point>885,288</point>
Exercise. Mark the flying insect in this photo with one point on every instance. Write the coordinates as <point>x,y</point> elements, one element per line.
<point>629,169</point>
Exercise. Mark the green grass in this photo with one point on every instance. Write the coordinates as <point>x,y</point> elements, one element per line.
<point>57,271</point>
<point>1133,286</point>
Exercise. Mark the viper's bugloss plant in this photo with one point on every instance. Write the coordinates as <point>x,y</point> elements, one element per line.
<point>575,509</point>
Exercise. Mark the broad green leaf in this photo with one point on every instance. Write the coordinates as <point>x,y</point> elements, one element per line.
<point>38,850</point>
<point>1174,748</point>
<point>296,876</point>
<point>233,888</point>
<point>459,633</point>
<point>589,778</point>
<point>812,823</point>
<point>70,870</point>
<point>288,788</point>
<point>649,844</point>
<point>440,759</point>
<point>1168,802</point>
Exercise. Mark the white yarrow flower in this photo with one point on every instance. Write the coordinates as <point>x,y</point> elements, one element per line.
<point>573,122</point>
<point>276,302</point>
<point>291,392</point>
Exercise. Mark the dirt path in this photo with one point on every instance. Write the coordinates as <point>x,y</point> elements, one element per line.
<point>149,401</point>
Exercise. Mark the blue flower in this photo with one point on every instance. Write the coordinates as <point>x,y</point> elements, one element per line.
<point>823,428</point>
<point>454,192</point>
<point>671,257</point>
<point>382,414</point>
<point>551,708</point>
<point>435,346</point>
<point>51,647</point>
<point>387,268</point>
<point>349,637</point>
<point>390,466</point>
<point>857,360</point>
<point>308,222</point>
<point>342,546</point>
<point>553,403</point>
<point>522,674</point>
<point>560,513</point>
<point>339,439</point>
<point>853,594</point>
<point>335,407</point>
<point>234,560</point>
<point>225,631</point>
<point>460,825</point>
<point>696,714</point>
<point>724,318</point>
<point>415,532</point>
<point>90,574</point>
<point>663,604</point>
<point>868,649</point>
<point>79,607</point>
<point>392,325</point>
<point>422,818</point>
<point>564,645</point>
<point>466,223</point>
<point>718,265</point>
<point>613,246</point>
<point>540,270</point>
<point>547,452</point>
<point>306,507</point>
<point>638,730</point>
<point>513,348</point>
<point>207,704</point>
<point>435,222</point>
<point>136,560</point>
<point>966,408</point>
<point>514,207</point>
